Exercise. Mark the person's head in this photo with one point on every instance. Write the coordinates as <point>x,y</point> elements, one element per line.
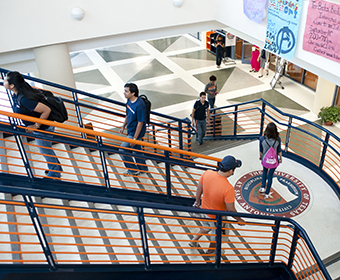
<point>203,96</point>
<point>271,131</point>
<point>229,164</point>
<point>212,79</point>
<point>15,82</point>
<point>130,90</point>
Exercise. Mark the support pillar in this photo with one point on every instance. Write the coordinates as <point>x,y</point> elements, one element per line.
<point>54,65</point>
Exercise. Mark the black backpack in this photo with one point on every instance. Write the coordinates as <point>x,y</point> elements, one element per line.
<point>148,107</point>
<point>55,103</point>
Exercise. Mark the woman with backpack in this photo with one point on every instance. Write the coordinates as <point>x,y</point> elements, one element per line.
<point>26,102</point>
<point>270,156</point>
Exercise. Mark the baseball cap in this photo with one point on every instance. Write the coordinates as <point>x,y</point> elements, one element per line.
<point>229,162</point>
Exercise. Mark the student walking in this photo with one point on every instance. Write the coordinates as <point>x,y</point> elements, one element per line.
<point>214,192</point>
<point>269,139</point>
<point>26,102</point>
<point>211,90</point>
<point>135,122</point>
<point>199,114</point>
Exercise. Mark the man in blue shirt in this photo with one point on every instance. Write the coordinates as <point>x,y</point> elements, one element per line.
<point>135,122</point>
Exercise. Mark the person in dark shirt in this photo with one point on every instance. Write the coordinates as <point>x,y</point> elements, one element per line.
<point>26,102</point>
<point>135,122</point>
<point>200,112</point>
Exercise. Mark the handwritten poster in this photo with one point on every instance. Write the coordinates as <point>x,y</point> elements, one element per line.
<point>322,33</point>
<point>254,9</point>
<point>283,26</point>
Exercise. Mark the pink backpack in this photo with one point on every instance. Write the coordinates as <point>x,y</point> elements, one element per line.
<point>270,160</point>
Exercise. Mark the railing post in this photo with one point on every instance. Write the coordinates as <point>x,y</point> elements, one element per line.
<point>169,135</point>
<point>274,244</point>
<point>154,136</point>
<point>78,112</point>
<point>262,117</point>
<point>39,231</point>
<point>144,237</point>
<point>293,248</point>
<point>167,173</point>
<point>218,240</point>
<point>235,120</point>
<point>23,155</point>
<point>103,161</point>
<point>324,150</point>
<point>180,136</point>
<point>288,133</point>
<point>214,122</point>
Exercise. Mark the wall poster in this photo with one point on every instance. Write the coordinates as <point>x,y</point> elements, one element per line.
<point>322,32</point>
<point>254,9</point>
<point>283,27</point>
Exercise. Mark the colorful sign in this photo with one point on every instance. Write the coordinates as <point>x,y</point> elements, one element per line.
<point>288,196</point>
<point>322,32</point>
<point>254,9</point>
<point>283,27</point>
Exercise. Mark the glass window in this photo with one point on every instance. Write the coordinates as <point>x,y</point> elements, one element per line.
<point>295,72</point>
<point>311,80</point>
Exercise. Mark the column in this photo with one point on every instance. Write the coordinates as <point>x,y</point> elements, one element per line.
<point>324,94</point>
<point>54,65</point>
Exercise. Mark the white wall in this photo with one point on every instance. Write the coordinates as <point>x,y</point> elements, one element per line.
<point>230,13</point>
<point>36,23</point>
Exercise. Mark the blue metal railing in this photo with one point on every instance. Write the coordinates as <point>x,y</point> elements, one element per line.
<point>269,240</point>
<point>179,129</point>
<point>302,140</point>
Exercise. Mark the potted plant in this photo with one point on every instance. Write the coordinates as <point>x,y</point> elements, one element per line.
<point>329,114</point>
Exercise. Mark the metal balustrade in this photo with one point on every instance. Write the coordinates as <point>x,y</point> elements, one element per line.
<point>66,230</point>
<point>302,140</point>
<point>107,115</point>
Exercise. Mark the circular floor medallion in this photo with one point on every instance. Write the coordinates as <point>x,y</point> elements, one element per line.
<point>288,197</point>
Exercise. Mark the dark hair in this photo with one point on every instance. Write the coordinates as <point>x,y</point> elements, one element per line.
<point>212,78</point>
<point>271,131</point>
<point>133,88</point>
<point>16,79</point>
<point>203,93</point>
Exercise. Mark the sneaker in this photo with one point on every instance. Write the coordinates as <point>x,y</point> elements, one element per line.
<point>129,173</point>
<point>262,190</point>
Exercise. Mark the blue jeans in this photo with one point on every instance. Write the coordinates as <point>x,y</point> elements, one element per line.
<point>129,162</point>
<point>212,102</point>
<point>45,148</point>
<point>267,175</point>
<point>201,126</point>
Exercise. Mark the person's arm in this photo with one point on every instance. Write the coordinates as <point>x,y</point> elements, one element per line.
<point>231,208</point>
<point>208,115</point>
<point>193,117</point>
<point>261,148</point>
<point>121,130</point>
<point>44,110</point>
<point>199,193</point>
<point>138,130</point>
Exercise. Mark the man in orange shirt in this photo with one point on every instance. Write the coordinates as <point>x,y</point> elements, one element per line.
<point>218,194</point>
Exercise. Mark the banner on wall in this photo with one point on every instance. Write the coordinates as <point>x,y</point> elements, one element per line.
<point>322,32</point>
<point>283,27</point>
<point>254,9</point>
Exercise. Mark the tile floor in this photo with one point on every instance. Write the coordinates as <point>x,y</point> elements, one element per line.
<point>172,72</point>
